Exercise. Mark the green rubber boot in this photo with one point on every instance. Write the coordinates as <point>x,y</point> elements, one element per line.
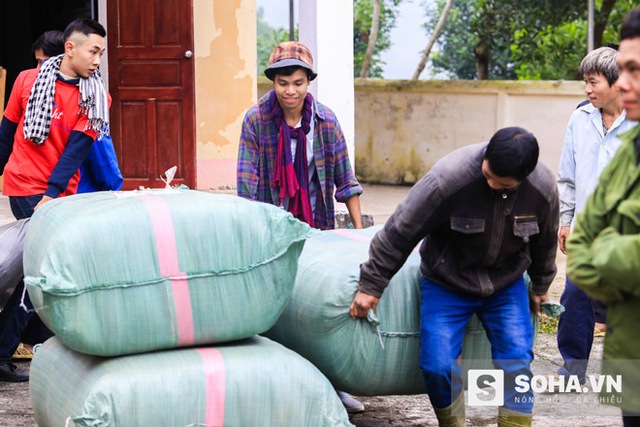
<point>453,415</point>
<point>509,418</point>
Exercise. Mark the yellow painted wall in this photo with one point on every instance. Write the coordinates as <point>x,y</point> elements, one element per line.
<point>225,73</point>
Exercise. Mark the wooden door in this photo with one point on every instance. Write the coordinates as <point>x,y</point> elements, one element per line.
<point>151,81</point>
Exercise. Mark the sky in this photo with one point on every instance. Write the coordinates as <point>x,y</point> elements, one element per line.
<point>408,38</point>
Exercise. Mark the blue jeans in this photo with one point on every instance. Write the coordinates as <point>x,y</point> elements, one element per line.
<point>575,331</point>
<point>506,318</point>
<point>13,318</point>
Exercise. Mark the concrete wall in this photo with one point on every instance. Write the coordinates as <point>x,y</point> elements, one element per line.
<point>403,127</point>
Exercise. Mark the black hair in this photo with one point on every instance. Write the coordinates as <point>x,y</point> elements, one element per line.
<point>51,43</point>
<point>287,71</point>
<point>631,25</point>
<point>85,26</point>
<point>512,152</point>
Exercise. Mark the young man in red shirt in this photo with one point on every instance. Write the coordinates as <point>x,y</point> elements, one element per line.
<point>53,116</point>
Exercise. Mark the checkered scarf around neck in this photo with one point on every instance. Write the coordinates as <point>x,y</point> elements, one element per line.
<point>291,175</point>
<point>93,102</point>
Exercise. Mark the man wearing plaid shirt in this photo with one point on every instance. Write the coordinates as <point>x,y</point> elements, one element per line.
<point>292,151</point>
<point>293,154</point>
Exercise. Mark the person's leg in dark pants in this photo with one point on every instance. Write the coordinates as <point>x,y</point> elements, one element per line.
<point>13,317</point>
<point>575,331</point>
<point>36,331</point>
<point>600,313</point>
<point>13,320</point>
<point>630,419</point>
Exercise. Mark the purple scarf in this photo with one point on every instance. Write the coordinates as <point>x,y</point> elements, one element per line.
<point>291,175</point>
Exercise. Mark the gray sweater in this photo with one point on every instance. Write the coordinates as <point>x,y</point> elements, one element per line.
<point>477,240</point>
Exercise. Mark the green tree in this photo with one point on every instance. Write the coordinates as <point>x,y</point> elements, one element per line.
<point>478,37</point>
<point>268,38</point>
<point>475,39</point>
<point>373,36</point>
<point>555,51</point>
<point>525,39</point>
<point>611,32</point>
<point>552,53</point>
<point>432,39</point>
<point>362,21</point>
<point>453,58</point>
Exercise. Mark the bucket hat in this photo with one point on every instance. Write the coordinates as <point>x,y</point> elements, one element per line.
<point>288,54</point>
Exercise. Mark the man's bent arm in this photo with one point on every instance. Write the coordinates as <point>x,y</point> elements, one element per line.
<point>72,157</point>
<point>353,206</point>
<point>7,133</point>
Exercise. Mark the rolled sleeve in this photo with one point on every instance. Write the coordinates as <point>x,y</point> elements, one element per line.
<point>348,190</point>
<point>248,158</point>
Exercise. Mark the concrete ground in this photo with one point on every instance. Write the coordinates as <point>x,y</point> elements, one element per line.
<point>572,409</point>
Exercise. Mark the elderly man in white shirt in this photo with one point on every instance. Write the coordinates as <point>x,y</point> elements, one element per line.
<point>590,143</point>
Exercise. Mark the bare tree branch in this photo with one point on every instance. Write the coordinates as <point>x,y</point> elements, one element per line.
<point>432,40</point>
<point>373,37</point>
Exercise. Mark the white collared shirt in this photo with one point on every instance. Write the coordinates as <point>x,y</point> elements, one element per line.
<point>586,151</point>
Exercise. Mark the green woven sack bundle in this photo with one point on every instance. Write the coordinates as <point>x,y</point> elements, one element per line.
<point>374,357</point>
<point>253,382</point>
<point>130,272</point>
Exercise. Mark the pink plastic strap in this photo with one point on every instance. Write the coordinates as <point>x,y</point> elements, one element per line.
<point>215,379</point>
<point>167,251</point>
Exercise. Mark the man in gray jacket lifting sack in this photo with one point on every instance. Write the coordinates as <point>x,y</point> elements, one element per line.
<point>487,213</point>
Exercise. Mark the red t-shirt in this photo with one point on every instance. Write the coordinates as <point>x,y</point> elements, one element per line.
<point>30,164</point>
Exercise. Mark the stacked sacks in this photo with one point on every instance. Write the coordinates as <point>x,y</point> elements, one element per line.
<point>113,274</point>
<point>254,382</point>
<point>367,358</point>
<point>121,273</point>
